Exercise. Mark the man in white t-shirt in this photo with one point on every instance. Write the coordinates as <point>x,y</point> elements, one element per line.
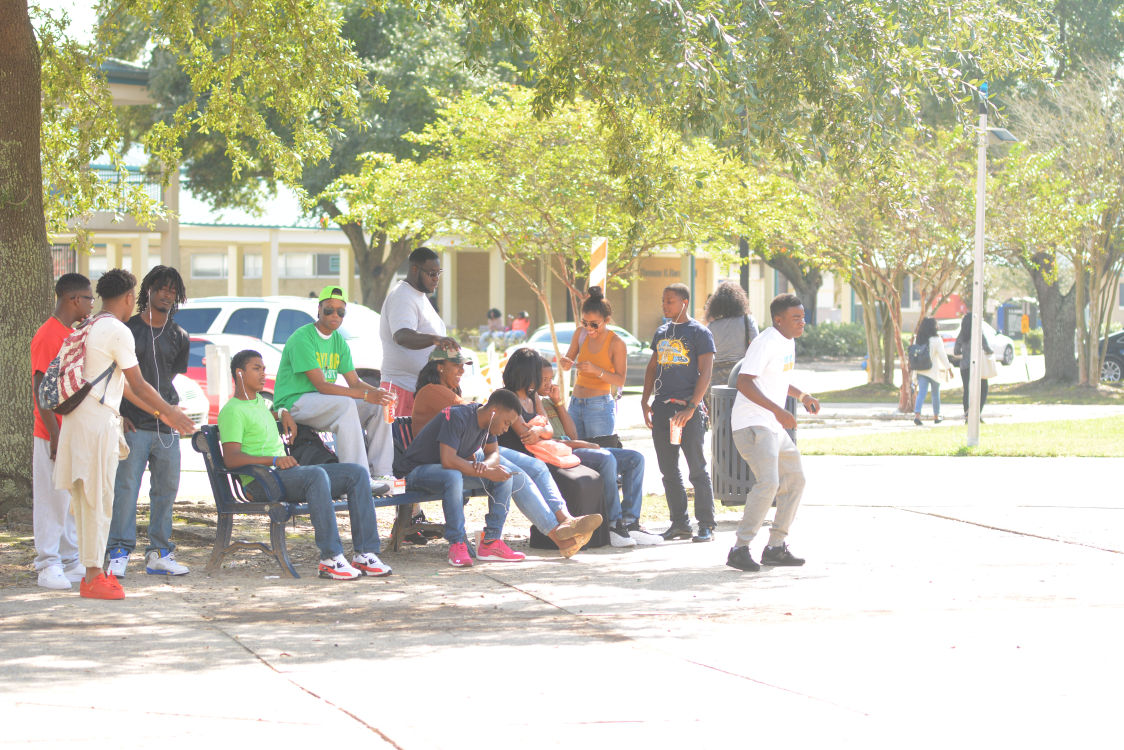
<point>759,422</point>
<point>410,328</point>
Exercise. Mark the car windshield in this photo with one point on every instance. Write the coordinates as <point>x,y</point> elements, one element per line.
<point>543,336</point>
<point>196,319</point>
<point>360,322</point>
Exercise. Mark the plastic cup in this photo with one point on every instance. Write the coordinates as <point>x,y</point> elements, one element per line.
<point>676,434</point>
<point>388,409</point>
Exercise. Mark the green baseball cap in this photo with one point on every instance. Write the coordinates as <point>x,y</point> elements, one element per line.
<point>458,357</point>
<point>332,291</point>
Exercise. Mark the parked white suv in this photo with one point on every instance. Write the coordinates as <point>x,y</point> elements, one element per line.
<point>273,319</point>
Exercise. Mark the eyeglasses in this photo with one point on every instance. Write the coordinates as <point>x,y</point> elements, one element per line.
<point>89,297</point>
<point>434,274</point>
<point>592,325</point>
<point>340,311</point>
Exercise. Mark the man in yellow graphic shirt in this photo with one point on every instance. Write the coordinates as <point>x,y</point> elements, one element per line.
<point>314,356</point>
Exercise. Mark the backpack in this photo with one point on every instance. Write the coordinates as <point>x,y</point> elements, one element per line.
<point>64,385</point>
<point>919,357</point>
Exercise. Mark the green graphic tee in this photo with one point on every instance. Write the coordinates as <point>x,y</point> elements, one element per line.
<point>307,350</point>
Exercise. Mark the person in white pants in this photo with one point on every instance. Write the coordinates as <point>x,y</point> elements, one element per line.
<point>759,423</point>
<point>314,356</point>
<point>56,540</point>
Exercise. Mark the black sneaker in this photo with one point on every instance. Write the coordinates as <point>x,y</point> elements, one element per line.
<point>677,532</point>
<point>706,534</point>
<point>780,556</point>
<point>740,558</point>
<point>917,421</point>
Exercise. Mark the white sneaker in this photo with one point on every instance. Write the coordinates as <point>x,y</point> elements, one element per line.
<point>74,572</point>
<point>381,484</point>
<point>619,537</point>
<point>369,564</point>
<point>52,577</point>
<point>643,536</point>
<point>164,565</point>
<point>118,561</point>
<point>338,569</point>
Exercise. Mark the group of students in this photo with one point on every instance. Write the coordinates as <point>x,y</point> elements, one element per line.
<point>91,461</point>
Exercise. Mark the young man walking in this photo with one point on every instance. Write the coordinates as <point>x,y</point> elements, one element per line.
<point>410,328</point>
<point>677,378</point>
<point>56,541</point>
<point>759,422</point>
<point>306,387</point>
<point>248,431</point>
<point>162,348</point>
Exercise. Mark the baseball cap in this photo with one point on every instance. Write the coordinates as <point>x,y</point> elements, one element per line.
<point>458,357</point>
<point>332,291</point>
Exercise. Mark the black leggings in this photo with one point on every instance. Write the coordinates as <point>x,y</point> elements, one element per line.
<point>965,377</point>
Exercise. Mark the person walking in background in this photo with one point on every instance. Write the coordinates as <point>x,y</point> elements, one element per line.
<point>930,380</point>
<point>410,328</point>
<point>91,443</point>
<point>161,348</point>
<point>759,423</point>
<point>962,349</point>
<point>56,540</point>
<point>728,318</point>
<point>602,363</point>
<point>677,378</point>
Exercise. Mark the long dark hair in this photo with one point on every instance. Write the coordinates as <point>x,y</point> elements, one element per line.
<point>431,375</point>
<point>728,301</point>
<point>158,278</point>
<point>965,336</point>
<point>523,371</point>
<point>927,330</point>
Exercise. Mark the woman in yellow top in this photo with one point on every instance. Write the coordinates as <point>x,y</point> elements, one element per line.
<point>602,362</point>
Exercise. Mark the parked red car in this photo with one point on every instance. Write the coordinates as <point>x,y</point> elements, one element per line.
<point>197,363</point>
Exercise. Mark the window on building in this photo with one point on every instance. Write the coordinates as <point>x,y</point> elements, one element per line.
<point>911,293</point>
<point>99,264</point>
<point>296,265</point>
<point>208,266</point>
<point>247,321</point>
<point>251,266</point>
<point>1121,299</point>
<point>287,322</point>
<point>327,264</point>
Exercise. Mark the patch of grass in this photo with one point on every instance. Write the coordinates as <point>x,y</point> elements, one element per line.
<point>1008,393</point>
<point>1076,437</point>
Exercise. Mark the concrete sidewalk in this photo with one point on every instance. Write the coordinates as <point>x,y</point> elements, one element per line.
<point>967,601</point>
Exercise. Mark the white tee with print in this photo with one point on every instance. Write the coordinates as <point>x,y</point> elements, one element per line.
<point>770,358</point>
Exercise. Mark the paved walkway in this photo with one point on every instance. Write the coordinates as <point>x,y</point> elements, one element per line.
<point>963,602</point>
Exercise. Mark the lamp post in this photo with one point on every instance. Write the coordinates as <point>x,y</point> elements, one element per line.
<point>984,134</point>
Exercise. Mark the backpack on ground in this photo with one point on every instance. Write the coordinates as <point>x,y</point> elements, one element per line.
<point>64,385</point>
<point>919,357</point>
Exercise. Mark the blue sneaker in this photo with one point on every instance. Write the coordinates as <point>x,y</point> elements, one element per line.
<point>163,563</point>
<point>118,560</point>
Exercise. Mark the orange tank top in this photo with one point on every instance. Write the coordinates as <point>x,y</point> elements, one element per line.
<point>601,359</point>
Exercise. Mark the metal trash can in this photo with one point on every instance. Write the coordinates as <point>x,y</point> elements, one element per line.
<point>730,475</point>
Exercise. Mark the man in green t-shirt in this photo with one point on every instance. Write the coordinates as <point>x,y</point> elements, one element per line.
<point>248,432</point>
<point>314,356</point>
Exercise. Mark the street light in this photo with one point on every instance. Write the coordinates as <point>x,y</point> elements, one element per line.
<point>995,136</point>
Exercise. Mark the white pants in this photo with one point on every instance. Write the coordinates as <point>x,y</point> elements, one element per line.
<point>347,418</point>
<point>778,475</point>
<point>56,540</point>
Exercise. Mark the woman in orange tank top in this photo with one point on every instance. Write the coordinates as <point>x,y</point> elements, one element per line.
<point>602,362</point>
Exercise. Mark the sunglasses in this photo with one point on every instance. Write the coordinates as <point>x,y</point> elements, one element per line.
<point>593,326</point>
<point>340,311</point>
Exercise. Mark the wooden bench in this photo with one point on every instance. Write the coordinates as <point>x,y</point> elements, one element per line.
<point>231,501</point>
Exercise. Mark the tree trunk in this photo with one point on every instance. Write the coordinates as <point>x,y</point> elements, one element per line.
<point>25,284</point>
<point>806,282</point>
<point>376,271</point>
<point>1058,314</point>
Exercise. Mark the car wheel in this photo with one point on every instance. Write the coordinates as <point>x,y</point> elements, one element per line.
<point>1112,370</point>
<point>1008,355</point>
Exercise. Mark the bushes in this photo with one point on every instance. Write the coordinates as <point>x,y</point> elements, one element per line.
<point>832,340</point>
<point>1033,340</point>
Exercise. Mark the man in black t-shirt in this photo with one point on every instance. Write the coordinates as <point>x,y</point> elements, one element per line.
<point>162,348</point>
<point>678,377</point>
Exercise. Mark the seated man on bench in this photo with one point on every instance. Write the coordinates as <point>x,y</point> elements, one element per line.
<point>248,431</point>
<point>458,449</point>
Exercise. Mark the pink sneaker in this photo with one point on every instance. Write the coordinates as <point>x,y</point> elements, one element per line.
<point>458,555</point>
<point>497,551</point>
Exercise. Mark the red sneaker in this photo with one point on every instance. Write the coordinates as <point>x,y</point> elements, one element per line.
<point>101,588</point>
<point>458,555</point>
<point>497,551</point>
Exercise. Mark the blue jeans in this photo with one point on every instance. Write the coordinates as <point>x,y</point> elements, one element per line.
<point>533,489</point>
<point>317,485</point>
<point>595,416</point>
<point>923,386</point>
<point>451,484</point>
<point>629,466</point>
<point>147,448</point>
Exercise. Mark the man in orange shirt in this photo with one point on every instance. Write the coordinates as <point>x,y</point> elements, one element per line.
<point>56,541</point>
